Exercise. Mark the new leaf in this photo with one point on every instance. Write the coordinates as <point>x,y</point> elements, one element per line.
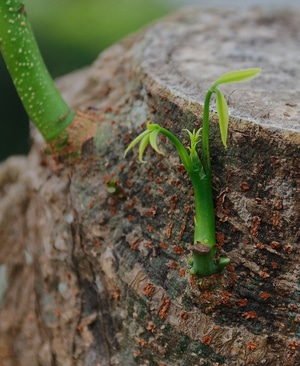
<point>222,110</point>
<point>236,76</point>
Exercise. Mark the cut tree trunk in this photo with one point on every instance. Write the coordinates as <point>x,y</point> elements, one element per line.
<point>93,277</point>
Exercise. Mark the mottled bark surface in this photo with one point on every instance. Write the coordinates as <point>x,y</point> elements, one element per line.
<point>90,277</point>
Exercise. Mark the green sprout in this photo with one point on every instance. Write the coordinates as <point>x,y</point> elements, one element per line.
<point>205,261</point>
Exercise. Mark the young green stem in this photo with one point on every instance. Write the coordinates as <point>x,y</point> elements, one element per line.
<point>42,101</point>
<point>204,263</point>
<point>205,135</point>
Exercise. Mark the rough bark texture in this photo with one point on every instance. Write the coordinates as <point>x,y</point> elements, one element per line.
<point>89,277</point>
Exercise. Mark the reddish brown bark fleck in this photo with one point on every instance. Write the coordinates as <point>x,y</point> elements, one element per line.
<point>164,307</point>
<point>148,289</point>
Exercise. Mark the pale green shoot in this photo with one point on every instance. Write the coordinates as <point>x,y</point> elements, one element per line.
<point>146,137</point>
<point>236,76</point>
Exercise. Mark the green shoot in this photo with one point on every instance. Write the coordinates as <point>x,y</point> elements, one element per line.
<point>230,77</point>
<point>204,262</point>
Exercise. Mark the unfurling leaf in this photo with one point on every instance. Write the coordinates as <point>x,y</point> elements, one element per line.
<point>135,141</point>
<point>222,110</point>
<point>236,76</point>
<point>143,145</point>
<point>194,138</point>
<point>153,143</point>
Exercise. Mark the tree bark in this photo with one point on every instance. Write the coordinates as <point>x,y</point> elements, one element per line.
<point>90,277</point>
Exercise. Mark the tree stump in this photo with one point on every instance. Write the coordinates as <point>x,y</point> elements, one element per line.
<point>94,277</point>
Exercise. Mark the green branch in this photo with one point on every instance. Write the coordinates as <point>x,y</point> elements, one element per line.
<point>42,101</point>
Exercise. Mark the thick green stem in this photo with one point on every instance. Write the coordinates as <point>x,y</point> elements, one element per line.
<point>42,101</point>
<point>204,211</point>
<point>204,264</point>
<point>204,261</point>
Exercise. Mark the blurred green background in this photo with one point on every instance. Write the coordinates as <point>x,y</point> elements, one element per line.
<point>70,34</point>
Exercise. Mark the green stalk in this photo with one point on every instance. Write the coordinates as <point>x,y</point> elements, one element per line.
<point>205,135</point>
<point>204,211</point>
<point>204,250</point>
<point>42,101</point>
